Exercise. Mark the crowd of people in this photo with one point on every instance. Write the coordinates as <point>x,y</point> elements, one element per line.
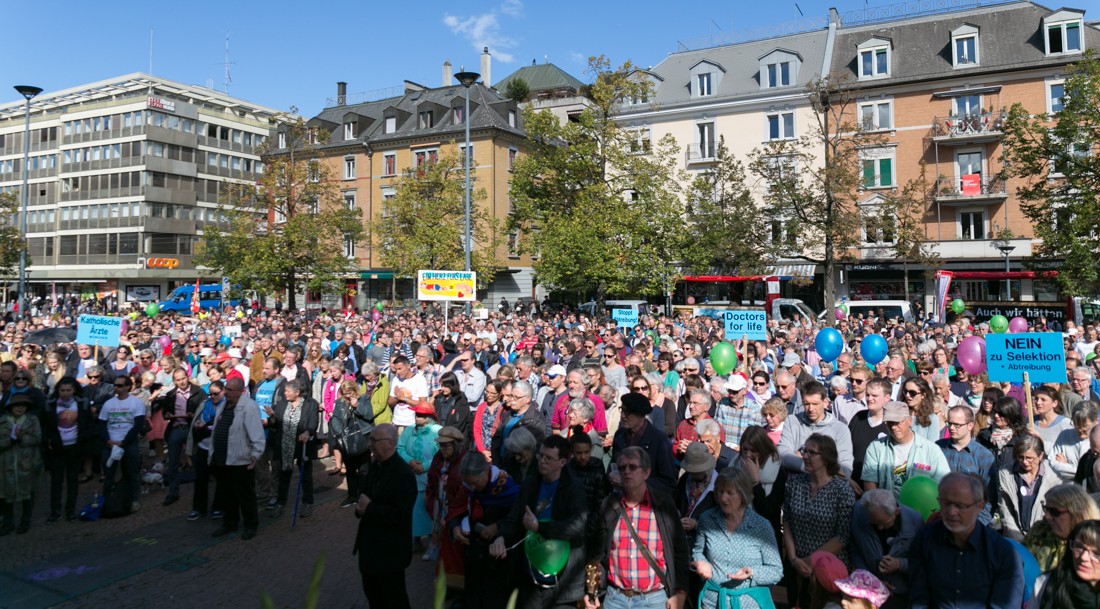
<point>579,462</point>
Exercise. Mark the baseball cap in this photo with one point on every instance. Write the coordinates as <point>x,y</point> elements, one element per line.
<point>736,382</point>
<point>791,359</point>
<point>555,370</point>
<point>895,412</point>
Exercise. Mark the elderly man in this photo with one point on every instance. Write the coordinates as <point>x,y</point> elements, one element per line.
<point>882,533</point>
<point>737,414</point>
<point>236,443</point>
<point>519,413</point>
<point>895,373</point>
<point>699,406</point>
<point>577,384</point>
<point>792,363</point>
<point>1080,385</point>
<point>942,386</point>
<point>958,562</point>
<point>636,430</point>
<point>902,454</point>
<point>786,388</point>
<point>814,419</point>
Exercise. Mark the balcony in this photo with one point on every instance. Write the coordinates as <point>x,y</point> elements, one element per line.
<point>969,188</point>
<point>696,154</point>
<point>968,128</point>
<point>980,249</point>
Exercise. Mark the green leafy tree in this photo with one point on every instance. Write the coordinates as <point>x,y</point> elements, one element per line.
<point>423,226</point>
<point>517,90</point>
<point>605,202</point>
<point>11,238</point>
<point>1054,157</point>
<point>287,231</point>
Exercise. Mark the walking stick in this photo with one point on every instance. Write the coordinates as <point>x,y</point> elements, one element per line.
<point>298,496</point>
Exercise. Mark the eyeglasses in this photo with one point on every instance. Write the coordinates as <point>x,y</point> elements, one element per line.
<point>640,388</point>
<point>1080,550</point>
<point>760,383</point>
<point>691,370</point>
<point>912,392</point>
<point>1053,511</point>
<point>787,386</point>
<point>215,394</point>
<point>954,505</point>
<point>858,381</point>
<point>806,452</point>
<point>23,378</point>
<point>957,425</point>
<point>630,467</point>
<point>93,376</point>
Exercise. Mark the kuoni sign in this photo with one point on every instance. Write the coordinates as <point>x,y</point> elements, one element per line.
<point>446,285</point>
<point>1039,354</point>
<point>97,329</point>
<point>752,324</point>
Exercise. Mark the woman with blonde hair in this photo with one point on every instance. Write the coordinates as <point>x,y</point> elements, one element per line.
<point>1066,506</point>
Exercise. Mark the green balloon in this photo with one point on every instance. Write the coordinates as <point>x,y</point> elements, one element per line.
<point>152,309</point>
<point>921,494</point>
<point>843,307</point>
<point>547,556</point>
<point>999,324</point>
<point>958,306</point>
<point>723,358</point>
<point>378,306</point>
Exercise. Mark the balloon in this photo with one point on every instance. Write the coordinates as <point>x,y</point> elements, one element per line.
<point>124,326</point>
<point>843,307</point>
<point>240,314</point>
<point>971,354</point>
<point>998,323</point>
<point>691,300</point>
<point>547,556</point>
<point>133,316</point>
<point>723,358</point>
<point>840,314</point>
<point>1017,325</point>
<point>164,341</point>
<point>152,309</point>
<point>829,344</point>
<point>958,306</point>
<point>920,493</point>
<point>1032,571</point>
<point>378,306</point>
<point>873,348</point>
<point>375,315</point>
<point>225,340</point>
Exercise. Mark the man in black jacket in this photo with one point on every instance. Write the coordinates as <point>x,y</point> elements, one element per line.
<point>384,539</point>
<point>519,412</point>
<point>178,406</point>
<point>554,506</point>
<point>635,430</point>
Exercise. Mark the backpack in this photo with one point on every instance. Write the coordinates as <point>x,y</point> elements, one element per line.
<point>116,504</point>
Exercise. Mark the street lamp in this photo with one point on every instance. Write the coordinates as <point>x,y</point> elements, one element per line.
<point>467,79</point>
<point>1006,249</point>
<point>28,92</point>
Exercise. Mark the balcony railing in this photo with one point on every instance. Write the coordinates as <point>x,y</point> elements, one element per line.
<point>973,185</point>
<point>700,154</point>
<point>968,125</point>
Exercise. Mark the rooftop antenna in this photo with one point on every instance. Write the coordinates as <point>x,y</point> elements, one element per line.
<point>228,78</point>
<point>800,13</point>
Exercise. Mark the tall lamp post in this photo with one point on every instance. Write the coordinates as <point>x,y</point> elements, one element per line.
<point>1006,249</point>
<point>467,79</point>
<point>28,92</point>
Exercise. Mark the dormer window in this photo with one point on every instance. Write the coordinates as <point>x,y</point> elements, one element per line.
<point>706,76</point>
<point>779,74</point>
<point>424,120</point>
<point>779,68</point>
<point>964,45</point>
<point>704,85</point>
<point>391,124</point>
<point>874,59</point>
<point>1062,32</point>
<point>349,130</point>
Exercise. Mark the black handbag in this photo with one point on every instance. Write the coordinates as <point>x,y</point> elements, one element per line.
<point>353,439</point>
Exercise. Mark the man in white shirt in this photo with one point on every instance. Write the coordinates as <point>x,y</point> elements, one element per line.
<point>895,373</point>
<point>471,379</point>
<point>122,420</point>
<point>406,389</point>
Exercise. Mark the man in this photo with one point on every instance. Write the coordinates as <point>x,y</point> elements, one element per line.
<point>965,455</point>
<point>957,562</point>
<point>269,387</point>
<point>291,370</point>
<point>577,386</point>
<point>554,389</point>
<point>385,509</point>
<point>867,426</point>
<point>178,407</point>
<point>259,356</point>
<point>640,542</point>
<point>518,413</point>
<point>590,472</point>
<point>735,415</point>
<point>525,371</point>
<point>407,388</point>
<point>122,420</point>
<point>895,373</point>
<point>1080,383</point>
<point>699,406</point>
<point>426,366</point>
<point>553,505</point>
<point>491,493</point>
<point>471,379</point>
<point>786,388</point>
<point>814,419</point>
<point>1087,465</point>
<point>613,372</point>
<point>793,364</point>
<point>843,361</point>
<point>237,441</point>
<point>882,533</point>
<point>902,454</point>
<point>635,430</point>
<point>942,386</point>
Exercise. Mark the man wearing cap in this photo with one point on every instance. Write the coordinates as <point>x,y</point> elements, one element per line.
<point>734,414</point>
<point>793,364</point>
<point>178,407</point>
<point>553,390</point>
<point>902,454</point>
<point>636,430</point>
<point>814,419</point>
<point>695,489</point>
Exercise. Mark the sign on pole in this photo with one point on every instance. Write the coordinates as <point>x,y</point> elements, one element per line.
<point>1039,354</point>
<point>225,289</point>
<point>97,329</point>
<point>446,285</point>
<point>752,324</point>
<point>625,317</point>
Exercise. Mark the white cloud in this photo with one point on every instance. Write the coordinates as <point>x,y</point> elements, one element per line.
<point>484,30</point>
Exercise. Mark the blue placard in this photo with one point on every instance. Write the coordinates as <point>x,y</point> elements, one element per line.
<point>1040,354</point>
<point>93,329</point>
<point>750,323</point>
<point>625,317</point>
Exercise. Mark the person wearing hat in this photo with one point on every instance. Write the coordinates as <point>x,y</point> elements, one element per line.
<point>20,463</point>
<point>736,414</point>
<point>793,363</point>
<point>695,490</point>
<point>236,362</point>
<point>445,498</point>
<point>636,430</point>
<point>417,446</point>
<point>862,590</point>
<point>902,454</point>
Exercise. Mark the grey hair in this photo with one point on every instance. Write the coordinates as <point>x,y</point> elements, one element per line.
<point>708,426</point>
<point>718,383</point>
<point>838,382</point>
<point>582,405</point>
<point>939,378</point>
<point>1026,442</point>
<point>369,367</point>
<point>473,464</point>
<point>926,348</point>
<point>522,387</point>
<point>880,500</point>
<point>293,384</point>
<point>520,441</point>
<point>684,362</point>
<point>654,378</point>
<point>704,394</point>
<point>1084,414</point>
<point>1083,370</point>
<point>524,359</point>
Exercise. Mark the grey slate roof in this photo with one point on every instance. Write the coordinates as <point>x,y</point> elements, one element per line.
<point>542,77</point>
<point>1009,37</point>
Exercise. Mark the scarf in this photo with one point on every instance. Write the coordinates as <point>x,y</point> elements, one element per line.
<point>1000,437</point>
<point>290,432</point>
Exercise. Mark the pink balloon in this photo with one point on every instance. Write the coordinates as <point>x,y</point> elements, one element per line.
<point>164,341</point>
<point>124,327</point>
<point>840,314</point>
<point>376,315</point>
<point>971,354</point>
<point>1017,325</point>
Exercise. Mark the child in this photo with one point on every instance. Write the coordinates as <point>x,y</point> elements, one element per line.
<point>862,590</point>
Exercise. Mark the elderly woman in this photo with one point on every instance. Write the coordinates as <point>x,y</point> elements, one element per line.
<point>920,399</point>
<point>774,412</point>
<point>1073,443</point>
<point>20,463</point>
<point>734,549</point>
<point>417,446</point>
<point>1023,487</point>
<point>351,406</point>
<point>519,454</point>
<point>580,413</point>
<point>293,431</point>
<point>377,386</point>
<point>709,432</point>
<point>445,498</point>
<point>1076,581</point>
<point>1066,506</point>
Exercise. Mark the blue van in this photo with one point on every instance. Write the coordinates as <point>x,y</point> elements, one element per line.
<point>210,297</point>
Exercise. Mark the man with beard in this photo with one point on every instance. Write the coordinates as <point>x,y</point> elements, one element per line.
<point>576,383</point>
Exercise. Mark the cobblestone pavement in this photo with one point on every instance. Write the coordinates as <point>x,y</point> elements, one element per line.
<point>156,558</point>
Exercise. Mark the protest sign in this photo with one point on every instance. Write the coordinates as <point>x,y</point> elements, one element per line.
<point>98,330</point>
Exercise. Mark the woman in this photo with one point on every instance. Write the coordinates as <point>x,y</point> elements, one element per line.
<point>451,407</point>
<point>377,386</point>
<point>1075,584</point>
<point>122,364</point>
<point>709,433</point>
<point>491,494</point>
<point>67,424</point>
<point>817,514</point>
<point>445,497</point>
<point>1073,443</point>
<point>352,406</point>
<point>417,446</point>
<point>760,459</point>
<point>292,431</point>
<point>919,398</point>
<point>1000,438</point>
<point>1024,486</point>
<point>580,413</point>
<point>48,375</point>
<point>487,418</point>
<point>760,387</point>
<point>20,463</point>
<point>774,412</point>
<point>146,390</point>
<point>983,417</point>
<point>198,448</point>
<point>669,376</point>
<point>28,356</point>
<point>977,387</point>
<point>1049,422</point>
<point>333,377</point>
<point>734,549</point>
<point>1066,506</point>
<point>943,366</point>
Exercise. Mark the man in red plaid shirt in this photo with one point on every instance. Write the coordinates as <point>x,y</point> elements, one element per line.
<point>654,572</point>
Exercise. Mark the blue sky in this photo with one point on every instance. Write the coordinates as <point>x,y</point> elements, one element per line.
<point>291,53</point>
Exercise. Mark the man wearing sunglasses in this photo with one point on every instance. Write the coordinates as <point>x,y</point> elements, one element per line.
<point>122,420</point>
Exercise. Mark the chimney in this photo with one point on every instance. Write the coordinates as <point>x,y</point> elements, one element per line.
<point>486,64</point>
<point>447,80</point>
<point>341,93</point>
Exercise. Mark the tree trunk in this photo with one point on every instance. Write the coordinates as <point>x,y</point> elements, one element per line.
<point>905,275</point>
<point>291,292</point>
<point>600,298</point>
<point>830,283</point>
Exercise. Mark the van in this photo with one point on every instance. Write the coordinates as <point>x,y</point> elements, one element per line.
<point>779,309</point>
<point>641,306</point>
<point>889,309</point>
<point>210,297</point>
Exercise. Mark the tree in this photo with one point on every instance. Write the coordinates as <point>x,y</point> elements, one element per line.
<point>287,230</point>
<point>423,226</point>
<point>517,90</point>
<point>810,200</point>
<point>725,220</point>
<point>1060,195</point>
<point>11,238</point>
<point>908,208</point>
<point>600,204</point>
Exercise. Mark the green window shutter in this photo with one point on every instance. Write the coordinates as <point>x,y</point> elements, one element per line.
<point>868,173</point>
<point>886,173</point>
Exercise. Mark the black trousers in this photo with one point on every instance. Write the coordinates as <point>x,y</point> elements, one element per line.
<point>384,590</point>
<point>237,491</point>
<point>307,480</point>
<point>353,464</point>
<point>64,468</point>
<point>201,499</point>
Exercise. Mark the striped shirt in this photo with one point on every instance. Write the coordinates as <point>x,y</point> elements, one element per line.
<point>735,421</point>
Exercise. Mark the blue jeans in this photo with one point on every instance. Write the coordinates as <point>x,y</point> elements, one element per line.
<point>617,600</point>
<point>176,440</point>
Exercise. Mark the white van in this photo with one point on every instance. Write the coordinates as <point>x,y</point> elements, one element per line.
<point>641,306</point>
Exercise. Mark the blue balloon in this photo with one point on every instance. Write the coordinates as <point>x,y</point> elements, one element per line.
<point>225,340</point>
<point>873,348</point>
<point>1032,571</point>
<point>829,344</point>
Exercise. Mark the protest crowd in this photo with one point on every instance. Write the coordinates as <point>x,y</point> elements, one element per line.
<point>578,462</point>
